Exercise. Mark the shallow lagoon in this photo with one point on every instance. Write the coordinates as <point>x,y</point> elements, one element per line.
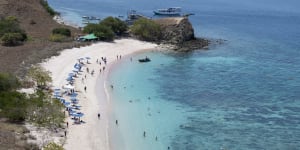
<point>243,94</point>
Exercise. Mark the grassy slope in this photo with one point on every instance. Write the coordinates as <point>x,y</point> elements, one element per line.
<point>16,59</point>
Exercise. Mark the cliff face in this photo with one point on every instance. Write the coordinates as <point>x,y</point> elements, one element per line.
<point>179,32</point>
<point>176,30</point>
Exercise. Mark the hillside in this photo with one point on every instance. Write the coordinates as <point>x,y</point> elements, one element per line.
<point>38,24</point>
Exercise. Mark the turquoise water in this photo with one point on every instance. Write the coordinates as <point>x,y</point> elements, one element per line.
<point>243,94</point>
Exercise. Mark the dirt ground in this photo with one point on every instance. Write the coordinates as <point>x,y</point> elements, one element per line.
<point>18,58</point>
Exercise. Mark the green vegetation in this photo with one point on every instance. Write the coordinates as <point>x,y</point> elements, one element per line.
<point>13,105</point>
<point>107,28</point>
<point>117,26</point>
<point>38,108</point>
<point>58,38</point>
<point>53,146</point>
<point>10,32</point>
<point>146,29</point>
<point>45,4</point>
<point>8,82</point>
<point>39,75</point>
<point>62,31</point>
<point>101,31</point>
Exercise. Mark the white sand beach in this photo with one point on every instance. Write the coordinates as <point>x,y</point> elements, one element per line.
<point>93,132</point>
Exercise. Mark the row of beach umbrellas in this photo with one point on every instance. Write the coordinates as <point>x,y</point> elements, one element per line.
<point>73,96</point>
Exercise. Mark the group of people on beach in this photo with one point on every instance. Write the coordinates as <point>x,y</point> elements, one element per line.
<point>102,63</point>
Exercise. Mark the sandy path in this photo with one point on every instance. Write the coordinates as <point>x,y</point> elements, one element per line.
<point>93,134</point>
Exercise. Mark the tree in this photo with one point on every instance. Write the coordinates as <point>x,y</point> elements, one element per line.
<point>118,26</point>
<point>101,31</point>
<point>146,29</point>
<point>8,82</point>
<point>39,75</point>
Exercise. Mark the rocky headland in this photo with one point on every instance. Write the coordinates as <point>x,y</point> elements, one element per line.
<point>179,32</point>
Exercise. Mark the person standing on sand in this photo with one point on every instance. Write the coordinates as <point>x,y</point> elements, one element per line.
<point>85,88</point>
<point>98,115</point>
<point>116,122</point>
<point>65,133</point>
<point>67,124</point>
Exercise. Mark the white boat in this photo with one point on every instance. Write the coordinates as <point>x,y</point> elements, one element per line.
<point>172,11</point>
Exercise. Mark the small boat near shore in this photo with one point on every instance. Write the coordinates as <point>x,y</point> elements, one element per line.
<point>144,60</point>
<point>90,18</point>
<point>172,11</point>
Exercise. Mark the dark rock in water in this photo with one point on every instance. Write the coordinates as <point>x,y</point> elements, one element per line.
<point>194,44</point>
<point>178,31</point>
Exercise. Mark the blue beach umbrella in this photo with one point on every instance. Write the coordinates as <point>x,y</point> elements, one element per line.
<point>57,89</point>
<point>71,74</point>
<point>87,57</point>
<point>73,94</point>
<point>77,66</point>
<point>66,103</point>
<point>69,78</point>
<point>76,71</point>
<point>80,114</point>
<point>73,99</point>
<point>62,100</point>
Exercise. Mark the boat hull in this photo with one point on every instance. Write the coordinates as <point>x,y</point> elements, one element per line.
<point>166,13</point>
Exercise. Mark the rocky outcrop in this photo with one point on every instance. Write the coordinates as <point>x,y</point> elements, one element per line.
<point>176,29</point>
<point>179,32</point>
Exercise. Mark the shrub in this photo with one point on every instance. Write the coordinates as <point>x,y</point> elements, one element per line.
<point>10,32</point>
<point>53,146</point>
<point>62,31</point>
<point>57,38</point>
<point>117,26</point>
<point>101,31</point>
<point>39,75</point>
<point>146,29</point>
<point>13,106</point>
<point>11,39</point>
<point>45,4</point>
<point>8,82</point>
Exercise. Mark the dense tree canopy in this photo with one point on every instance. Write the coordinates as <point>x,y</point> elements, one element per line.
<point>146,29</point>
<point>101,31</point>
<point>118,26</point>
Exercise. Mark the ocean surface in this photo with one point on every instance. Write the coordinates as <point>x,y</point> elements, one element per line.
<point>243,94</point>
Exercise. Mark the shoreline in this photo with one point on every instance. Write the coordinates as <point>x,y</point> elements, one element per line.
<point>108,92</point>
<point>96,99</point>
